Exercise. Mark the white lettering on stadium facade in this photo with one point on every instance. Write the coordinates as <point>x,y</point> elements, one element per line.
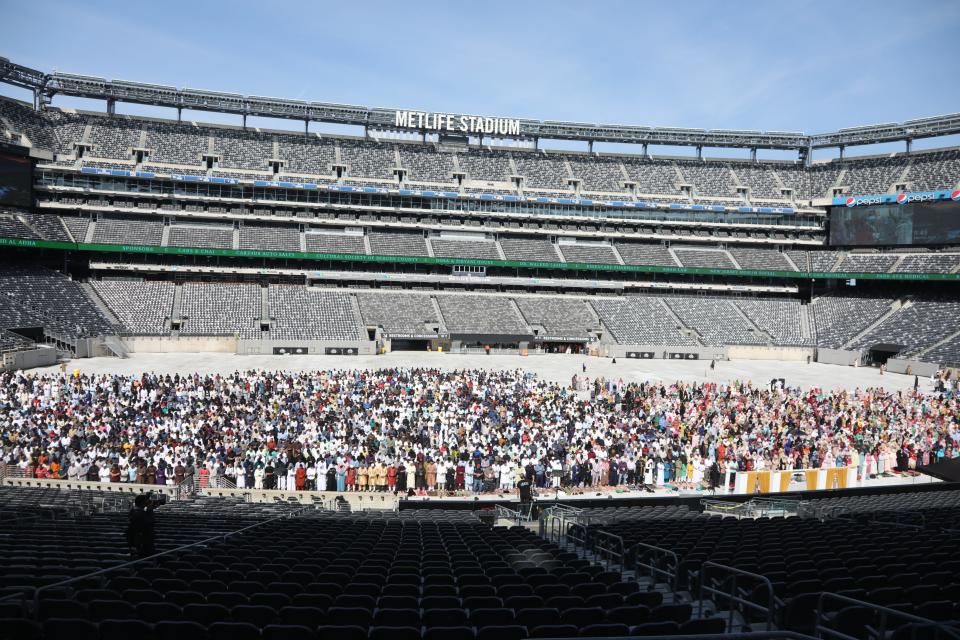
<point>459,124</point>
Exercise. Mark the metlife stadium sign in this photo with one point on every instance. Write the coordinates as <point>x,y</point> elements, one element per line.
<point>452,123</point>
<point>896,198</point>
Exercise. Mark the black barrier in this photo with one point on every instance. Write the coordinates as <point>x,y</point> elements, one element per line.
<point>641,355</point>
<point>341,351</point>
<point>283,351</point>
<point>683,356</point>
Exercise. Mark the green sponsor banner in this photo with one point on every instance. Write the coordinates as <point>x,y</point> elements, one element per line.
<point>514,264</point>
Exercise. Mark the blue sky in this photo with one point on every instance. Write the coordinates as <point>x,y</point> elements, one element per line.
<point>808,66</point>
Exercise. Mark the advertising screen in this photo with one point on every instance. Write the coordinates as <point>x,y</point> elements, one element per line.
<point>16,181</point>
<point>919,223</point>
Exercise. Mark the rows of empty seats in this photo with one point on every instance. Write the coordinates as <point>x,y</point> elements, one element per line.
<point>779,319</point>
<point>269,237</point>
<point>400,314</point>
<point>307,313</point>
<point>465,248</point>
<point>371,578</point>
<point>867,263</point>
<point>221,309</point>
<point>715,320</point>
<point>708,178</point>
<point>645,254</point>
<point>588,253</point>
<point>838,320</point>
<point>54,299</point>
<point>369,159</point>
<point>77,227</point>
<point>128,230</point>
<point>486,165</point>
<point>916,327</point>
<point>47,226</point>
<point>760,259</point>
<point>640,321</point>
<point>203,235</point>
<point>330,242</point>
<point>424,163</point>
<point>559,317</point>
<point>531,249</point>
<point>10,341</point>
<point>910,569</point>
<point>13,227</point>
<point>397,244</point>
<point>929,263</point>
<point>185,144</point>
<point>142,307</point>
<point>481,315</point>
<point>704,258</point>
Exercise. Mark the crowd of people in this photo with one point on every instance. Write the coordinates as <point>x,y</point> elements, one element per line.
<point>427,430</point>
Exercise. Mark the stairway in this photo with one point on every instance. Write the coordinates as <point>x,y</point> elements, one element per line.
<point>436,310</point>
<point>358,318</point>
<point>949,338</point>
<point>116,346</point>
<point>177,304</point>
<point>265,305</point>
<point>516,309</point>
<point>99,303</point>
<point>683,327</point>
<point>750,323</point>
<point>805,328</point>
<point>87,239</point>
<point>895,307</point>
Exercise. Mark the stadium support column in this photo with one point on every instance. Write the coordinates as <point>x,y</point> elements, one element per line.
<point>111,106</point>
<point>244,122</point>
<point>841,151</point>
<point>589,146</point>
<point>909,142</point>
<point>179,114</point>
<point>699,152</point>
<point>753,154</point>
<point>643,149</point>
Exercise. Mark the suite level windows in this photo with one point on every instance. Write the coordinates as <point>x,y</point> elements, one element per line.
<point>469,271</point>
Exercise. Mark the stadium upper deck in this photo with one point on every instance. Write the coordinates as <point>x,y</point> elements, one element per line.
<point>154,147</point>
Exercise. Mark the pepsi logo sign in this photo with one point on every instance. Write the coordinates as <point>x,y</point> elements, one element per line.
<point>851,201</point>
<point>955,196</point>
<point>901,198</point>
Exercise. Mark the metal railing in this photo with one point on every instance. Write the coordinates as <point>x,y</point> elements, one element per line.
<point>556,520</point>
<point>608,548</point>
<point>505,513</point>
<point>733,596</point>
<point>223,537</point>
<point>657,561</point>
<point>944,630</point>
<point>754,508</point>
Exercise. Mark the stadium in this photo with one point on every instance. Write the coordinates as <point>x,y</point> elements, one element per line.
<point>475,386</point>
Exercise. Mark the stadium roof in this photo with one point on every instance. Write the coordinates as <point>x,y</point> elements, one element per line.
<point>45,86</point>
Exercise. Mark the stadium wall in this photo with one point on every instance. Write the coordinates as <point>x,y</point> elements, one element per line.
<point>165,344</point>
<point>29,358</point>
<point>838,356</point>
<point>358,501</point>
<point>661,352</point>
<point>917,368</point>
<point>305,347</point>
<point>766,352</point>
